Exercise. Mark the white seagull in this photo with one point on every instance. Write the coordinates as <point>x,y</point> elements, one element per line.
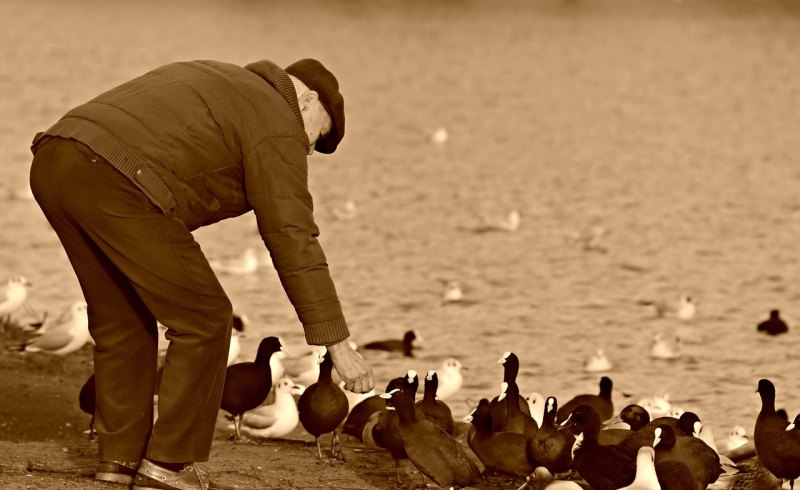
<point>13,295</point>
<point>275,420</point>
<point>450,378</point>
<point>66,337</point>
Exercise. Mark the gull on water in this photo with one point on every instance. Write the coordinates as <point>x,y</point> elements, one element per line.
<point>510,223</point>
<point>663,348</point>
<point>66,337</point>
<point>685,309</point>
<point>452,292</point>
<point>246,263</point>
<point>598,362</point>
<point>347,211</point>
<point>440,136</point>
<point>13,295</point>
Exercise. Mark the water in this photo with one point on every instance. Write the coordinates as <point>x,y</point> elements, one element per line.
<point>672,125</point>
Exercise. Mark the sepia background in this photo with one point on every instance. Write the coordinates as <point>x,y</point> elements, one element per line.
<point>649,146</point>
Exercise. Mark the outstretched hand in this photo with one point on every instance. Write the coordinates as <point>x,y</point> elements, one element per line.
<point>352,368</point>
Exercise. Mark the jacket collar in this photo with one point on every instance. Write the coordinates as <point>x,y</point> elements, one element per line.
<point>280,81</point>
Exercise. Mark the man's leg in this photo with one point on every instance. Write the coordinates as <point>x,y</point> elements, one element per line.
<point>157,255</point>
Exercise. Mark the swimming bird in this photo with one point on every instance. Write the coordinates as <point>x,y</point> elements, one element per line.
<point>516,420</point>
<point>247,384</point>
<point>450,378</point>
<point>452,293</point>
<point>346,212</point>
<point>440,136</point>
<point>646,478</point>
<point>87,398</point>
<point>657,405</point>
<point>703,462</point>
<point>685,309</point>
<point>662,348</point>
<point>13,295</point>
<point>601,403</point>
<point>244,264</point>
<point>597,363</point>
<point>774,325</point>
<point>634,416</point>
<point>510,363</point>
<point>435,453</point>
<point>551,446</point>
<point>411,340</point>
<point>276,419</point>
<point>435,410</point>
<point>361,412</point>
<point>603,467</point>
<point>323,406</point>
<point>64,338</point>
<point>499,451</point>
<point>737,437</point>
<point>777,443</point>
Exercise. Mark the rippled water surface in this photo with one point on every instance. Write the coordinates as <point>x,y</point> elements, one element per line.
<point>673,126</point>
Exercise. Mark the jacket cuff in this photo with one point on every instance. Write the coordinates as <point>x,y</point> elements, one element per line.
<point>326,333</point>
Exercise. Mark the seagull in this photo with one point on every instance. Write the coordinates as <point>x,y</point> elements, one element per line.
<point>737,437</point>
<point>450,378</point>
<point>13,295</point>
<point>440,136</point>
<point>662,348</point>
<point>452,292</point>
<point>275,420</point>
<point>684,310</point>
<point>346,212</point>
<point>598,363</point>
<point>657,405</point>
<point>510,224</point>
<point>246,263</point>
<point>66,337</point>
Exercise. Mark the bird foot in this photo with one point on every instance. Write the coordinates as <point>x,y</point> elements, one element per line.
<point>527,480</point>
<point>336,450</point>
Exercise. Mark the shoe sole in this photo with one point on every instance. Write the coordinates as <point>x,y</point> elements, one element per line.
<point>114,478</point>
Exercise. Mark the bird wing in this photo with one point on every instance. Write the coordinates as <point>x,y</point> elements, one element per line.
<point>448,462</point>
<point>261,417</point>
<point>51,340</point>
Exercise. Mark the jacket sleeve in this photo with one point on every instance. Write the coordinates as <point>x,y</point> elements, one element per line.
<point>276,183</point>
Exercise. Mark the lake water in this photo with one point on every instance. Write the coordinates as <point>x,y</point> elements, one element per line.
<point>673,126</point>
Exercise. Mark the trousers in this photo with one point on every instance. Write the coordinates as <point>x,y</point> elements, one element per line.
<point>137,265</point>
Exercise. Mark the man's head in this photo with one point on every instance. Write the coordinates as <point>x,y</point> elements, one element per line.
<point>321,104</point>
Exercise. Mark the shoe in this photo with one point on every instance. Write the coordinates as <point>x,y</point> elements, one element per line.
<point>154,477</point>
<point>116,471</point>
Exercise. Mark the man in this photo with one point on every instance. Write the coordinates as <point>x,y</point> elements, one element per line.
<point>125,178</point>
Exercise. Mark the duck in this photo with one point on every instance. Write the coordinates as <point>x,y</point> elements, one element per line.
<point>450,378</point>
<point>516,420</point>
<point>435,410</point>
<point>360,414</point>
<point>434,452</point>
<point>776,440</point>
<point>634,416</point>
<point>276,419</point>
<point>510,363</point>
<point>774,325</point>
<point>662,348</point>
<point>601,403</point>
<point>411,340</point>
<point>386,432</point>
<point>498,451</point>
<point>551,446</point>
<point>322,407</point>
<point>64,338</point>
<point>646,478</point>
<point>87,400</point>
<point>13,295</point>
<point>603,467</point>
<point>703,462</point>
<point>247,384</point>
<point>687,425</point>
<point>598,362</point>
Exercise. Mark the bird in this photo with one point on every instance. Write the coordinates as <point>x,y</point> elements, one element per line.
<point>543,480</point>
<point>450,378</point>
<point>347,211</point>
<point>386,432</point>
<point>662,348</point>
<point>774,325</point>
<point>323,406</point>
<point>87,399</point>
<point>411,340</point>
<point>13,295</point>
<point>703,462</point>
<point>247,384</point>
<point>536,405</point>
<point>753,475</point>
<point>244,264</point>
<point>234,348</point>
<point>304,369</point>
<point>685,309</point>
<point>361,412</point>
<point>551,446</point>
<point>435,410</point>
<point>453,293</point>
<point>516,420</point>
<point>440,136</point>
<point>64,338</point>
<point>674,475</point>
<point>776,440</point>
<point>276,419</point>
<point>634,416</point>
<point>737,437</point>
<point>353,398</point>
<point>603,467</point>
<point>434,452</point>
<point>646,478</point>
<point>687,425</point>
<point>657,405</point>
<point>510,224</point>
<point>601,403</point>
<point>510,363</point>
<point>499,451</point>
<point>598,362</point>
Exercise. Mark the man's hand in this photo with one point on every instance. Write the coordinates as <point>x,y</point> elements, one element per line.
<point>353,369</point>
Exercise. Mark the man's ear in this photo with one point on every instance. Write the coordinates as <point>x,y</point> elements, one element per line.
<point>307,100</point>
